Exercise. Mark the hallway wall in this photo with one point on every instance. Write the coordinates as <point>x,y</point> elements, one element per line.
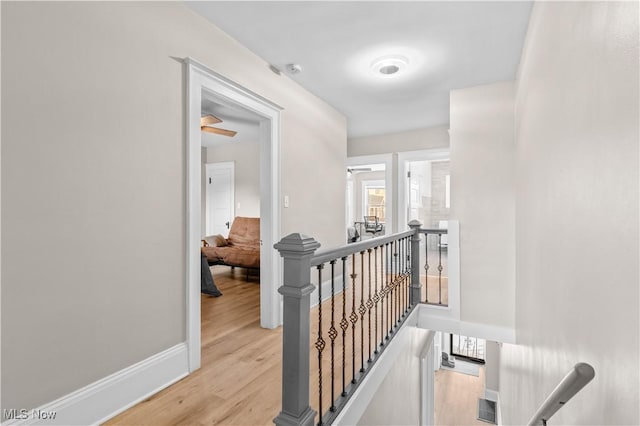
<point>94,182</point>
<point>577,123</point>
<point>483,200</point>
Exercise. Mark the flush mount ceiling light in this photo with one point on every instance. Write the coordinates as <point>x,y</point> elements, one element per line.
<point>389,65</point>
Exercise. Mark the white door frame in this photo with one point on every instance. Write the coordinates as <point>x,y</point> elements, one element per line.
<point>403,157</point>
<point>219,165</point>
<point>387,160</point>
<point>198,78</point>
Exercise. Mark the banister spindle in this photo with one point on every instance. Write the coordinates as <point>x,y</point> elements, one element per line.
<point>353,317</point>
<point>362,310</point>
<point>387,288</point>
<point>320,344</point>
<point>333,333</point>
<point>440,268</point>
<point>376,299</point>
<point>344,324</point>
<point>382,295</point>
<point>369,305</point>
<point>426,266</point>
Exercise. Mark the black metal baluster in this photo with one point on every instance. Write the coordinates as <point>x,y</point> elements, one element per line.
<point>407,260</point>
<point>344,324</point>
<point>376,299</point>
<point>320,343</point>
<point>382,295</point>
<point>426,267</point>
<point>333,333</point>
<point>409,272</point>
<point>362,310</point>
<point>391,293</point>
<point>403,277</point>
<point>440,269</point>
<point>369,305</point>
<point>395,283</point>
<point>387,289</point>
<point>353,317</point>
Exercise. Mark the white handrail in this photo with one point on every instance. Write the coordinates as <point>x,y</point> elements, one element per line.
<point>581,374</point>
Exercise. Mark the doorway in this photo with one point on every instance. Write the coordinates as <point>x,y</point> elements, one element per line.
<point>369,194</point>
<point>201,79</point>
<point>424,188</point>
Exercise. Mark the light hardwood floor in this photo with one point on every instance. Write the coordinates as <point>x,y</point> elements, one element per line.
<point>239,382</point>
<point>457,398</point>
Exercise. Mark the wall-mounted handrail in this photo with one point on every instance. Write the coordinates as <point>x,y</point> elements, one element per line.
<point>577,378</point>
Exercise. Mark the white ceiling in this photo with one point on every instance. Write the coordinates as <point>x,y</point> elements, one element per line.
<point>450,45</point>
<point>246,123</point>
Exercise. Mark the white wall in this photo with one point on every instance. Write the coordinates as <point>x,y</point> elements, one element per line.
<point>397,399</point>
<point>93,182</point>
<point>483,200</point>
<point>577,256</point>
<point>492,366</point>
<point>414,140</point>
<point>246,158</point>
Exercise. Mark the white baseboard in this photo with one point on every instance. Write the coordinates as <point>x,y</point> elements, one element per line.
<point>113,394</point>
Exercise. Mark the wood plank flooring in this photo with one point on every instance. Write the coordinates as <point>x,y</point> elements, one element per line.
<point>239,382</point>
<point>457,398</point>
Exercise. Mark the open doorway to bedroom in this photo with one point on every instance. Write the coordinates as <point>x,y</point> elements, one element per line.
<point>230,276</point>
<point>231,189</point>
<point>214,104</point>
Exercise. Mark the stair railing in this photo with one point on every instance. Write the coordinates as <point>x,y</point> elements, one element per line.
<point>369,288</point>
<point>577,378</point>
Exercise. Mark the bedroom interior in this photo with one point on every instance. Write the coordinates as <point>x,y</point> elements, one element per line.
<point>230,224</point>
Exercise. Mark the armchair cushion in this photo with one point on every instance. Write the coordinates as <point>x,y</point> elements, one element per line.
<point>241,248</point>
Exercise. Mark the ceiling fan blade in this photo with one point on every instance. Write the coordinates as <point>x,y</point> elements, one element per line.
<point>218,131</point>
<point>209,119</point>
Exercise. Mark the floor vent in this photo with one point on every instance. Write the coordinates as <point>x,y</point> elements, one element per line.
<point>487,411</point>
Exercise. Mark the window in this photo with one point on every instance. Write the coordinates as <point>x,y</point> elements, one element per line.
<point>374,199</point>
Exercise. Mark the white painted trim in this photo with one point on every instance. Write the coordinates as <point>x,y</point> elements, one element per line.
<point>200,78</point>
<point>403,157</point>
<point>493,395</point>
<point>387,160</point>
<point>427,380</point>
<point>428,321</point>
<point>102,400</point>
